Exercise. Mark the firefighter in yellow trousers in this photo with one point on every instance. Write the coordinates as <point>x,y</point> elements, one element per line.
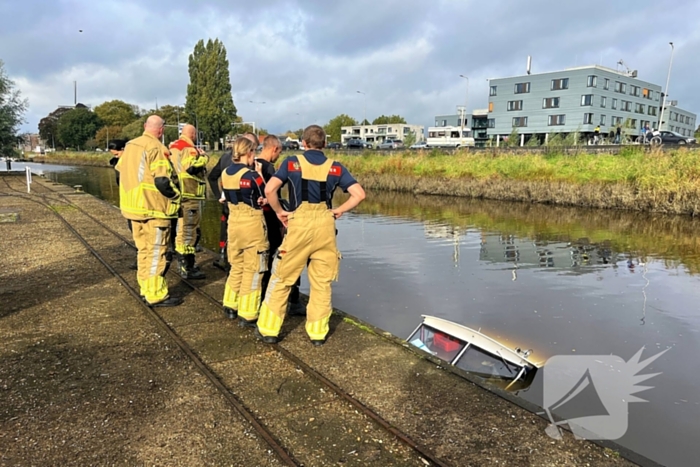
<point>243,190</point>
<point>149,198</point>
<point>311,235</point>
<point>190,164</point>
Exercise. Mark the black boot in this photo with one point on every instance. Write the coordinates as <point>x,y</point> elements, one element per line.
<point>187,270</point>
<point>170,301</point>
<point>222,262</point>
<point>230,313</point>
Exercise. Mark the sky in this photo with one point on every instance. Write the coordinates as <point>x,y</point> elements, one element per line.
<point>307,59</point>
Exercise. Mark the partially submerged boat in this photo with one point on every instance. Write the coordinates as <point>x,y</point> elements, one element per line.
<point>475,353</point>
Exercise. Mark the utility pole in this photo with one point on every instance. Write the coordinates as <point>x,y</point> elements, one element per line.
<point>464,115</point>
<point>257,111</point>
<point>668,80</point>
<point>75,93</point>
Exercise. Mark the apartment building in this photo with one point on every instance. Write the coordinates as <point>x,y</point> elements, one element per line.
<point>477,123</point>
<point>679,120</point>
<point>379,133</point>
<point>572,100</point>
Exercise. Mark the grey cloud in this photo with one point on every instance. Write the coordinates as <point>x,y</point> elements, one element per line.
<point>307,58</point>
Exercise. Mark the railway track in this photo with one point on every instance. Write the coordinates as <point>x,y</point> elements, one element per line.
<point>48,199</point>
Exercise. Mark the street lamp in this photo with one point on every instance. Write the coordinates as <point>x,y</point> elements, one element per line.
<point>668,80</point>
<point>464,115</point>
<point>364,118</point>
<point>257,108</point>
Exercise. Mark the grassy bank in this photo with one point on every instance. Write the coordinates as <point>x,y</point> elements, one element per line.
<point>93,159</point>
<point>636,179</point>
<point>659,181</point>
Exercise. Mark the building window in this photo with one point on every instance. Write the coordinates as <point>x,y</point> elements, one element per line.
<point>614,104</point>
<point>620,87</point>
<point>490,106</point>
<point>492,92</point>
<point>606,84</point>
<point>519,122</point>
<point>515,105</point>
<point>550,103</point>
<point>652,110</point>
<point>491,123</point>
<point>635,91</point>
<point>658,95</point>
<point>557,120</point>
<point>603,101</point>
<point>602,120</point>
<point>626,106</point>
<point>592,81</point>
<point>444,123</point>
<point>616,120</point>
<point>558,84</point>
<point>522,88</point>
<point>646,93</point>
<point>587,99</point>
<point>633,123</point>
<point>639,108</point>
<point>588,119</point>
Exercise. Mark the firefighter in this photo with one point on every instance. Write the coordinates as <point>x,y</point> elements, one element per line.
<point>247,249</point>
<point>190,164</point>
<point>272,148</point>
<point>150,199</point>
<point>310,238</point>
<point>214,180</point>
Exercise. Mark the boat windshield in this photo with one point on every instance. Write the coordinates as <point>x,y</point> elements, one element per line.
<point>476,360</point>
<point>438,343</point>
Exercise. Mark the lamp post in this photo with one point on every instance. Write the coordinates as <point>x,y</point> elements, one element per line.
<point>668,80</point>
<point>364,116</point>
<point>257,109</point>
<point>464,115</point>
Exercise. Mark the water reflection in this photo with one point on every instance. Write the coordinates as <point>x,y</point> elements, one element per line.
<point>549,236</point>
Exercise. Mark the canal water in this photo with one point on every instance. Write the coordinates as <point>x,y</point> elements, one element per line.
<point>561,281</point>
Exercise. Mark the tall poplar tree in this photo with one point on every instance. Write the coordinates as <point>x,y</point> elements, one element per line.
<point>12,108</point>
<point>209,103</point>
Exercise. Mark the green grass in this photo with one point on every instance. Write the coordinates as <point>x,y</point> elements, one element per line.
<point>665,170</point>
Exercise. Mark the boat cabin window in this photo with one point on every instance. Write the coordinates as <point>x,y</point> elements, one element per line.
<point>485,364</point>
<point>438,343</point>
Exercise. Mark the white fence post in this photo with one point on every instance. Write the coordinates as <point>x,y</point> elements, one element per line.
<point>29,179</point>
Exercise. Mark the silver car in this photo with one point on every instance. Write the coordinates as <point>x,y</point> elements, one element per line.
<point>390,144</point>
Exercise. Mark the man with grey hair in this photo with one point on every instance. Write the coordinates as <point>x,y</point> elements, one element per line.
<point>150,200</point>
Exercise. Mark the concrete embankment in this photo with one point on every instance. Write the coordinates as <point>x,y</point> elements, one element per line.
<point>89,379</point>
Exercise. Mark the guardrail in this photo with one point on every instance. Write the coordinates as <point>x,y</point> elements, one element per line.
<point>587,149</point>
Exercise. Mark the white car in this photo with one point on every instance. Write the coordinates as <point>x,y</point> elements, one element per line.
<point>419,145</point>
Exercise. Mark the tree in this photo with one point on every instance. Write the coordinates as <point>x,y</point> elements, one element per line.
<point>332,128</point>
<point>383,119</point>
<point>76,127</point>
<point>209,98</point>
<point>12,108</point>
<point>48,125</point>
<point>134,129</point>
<point>116,112</point>
<point>697,133</point>
<point>410,139</point>
<point>106,134</point>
